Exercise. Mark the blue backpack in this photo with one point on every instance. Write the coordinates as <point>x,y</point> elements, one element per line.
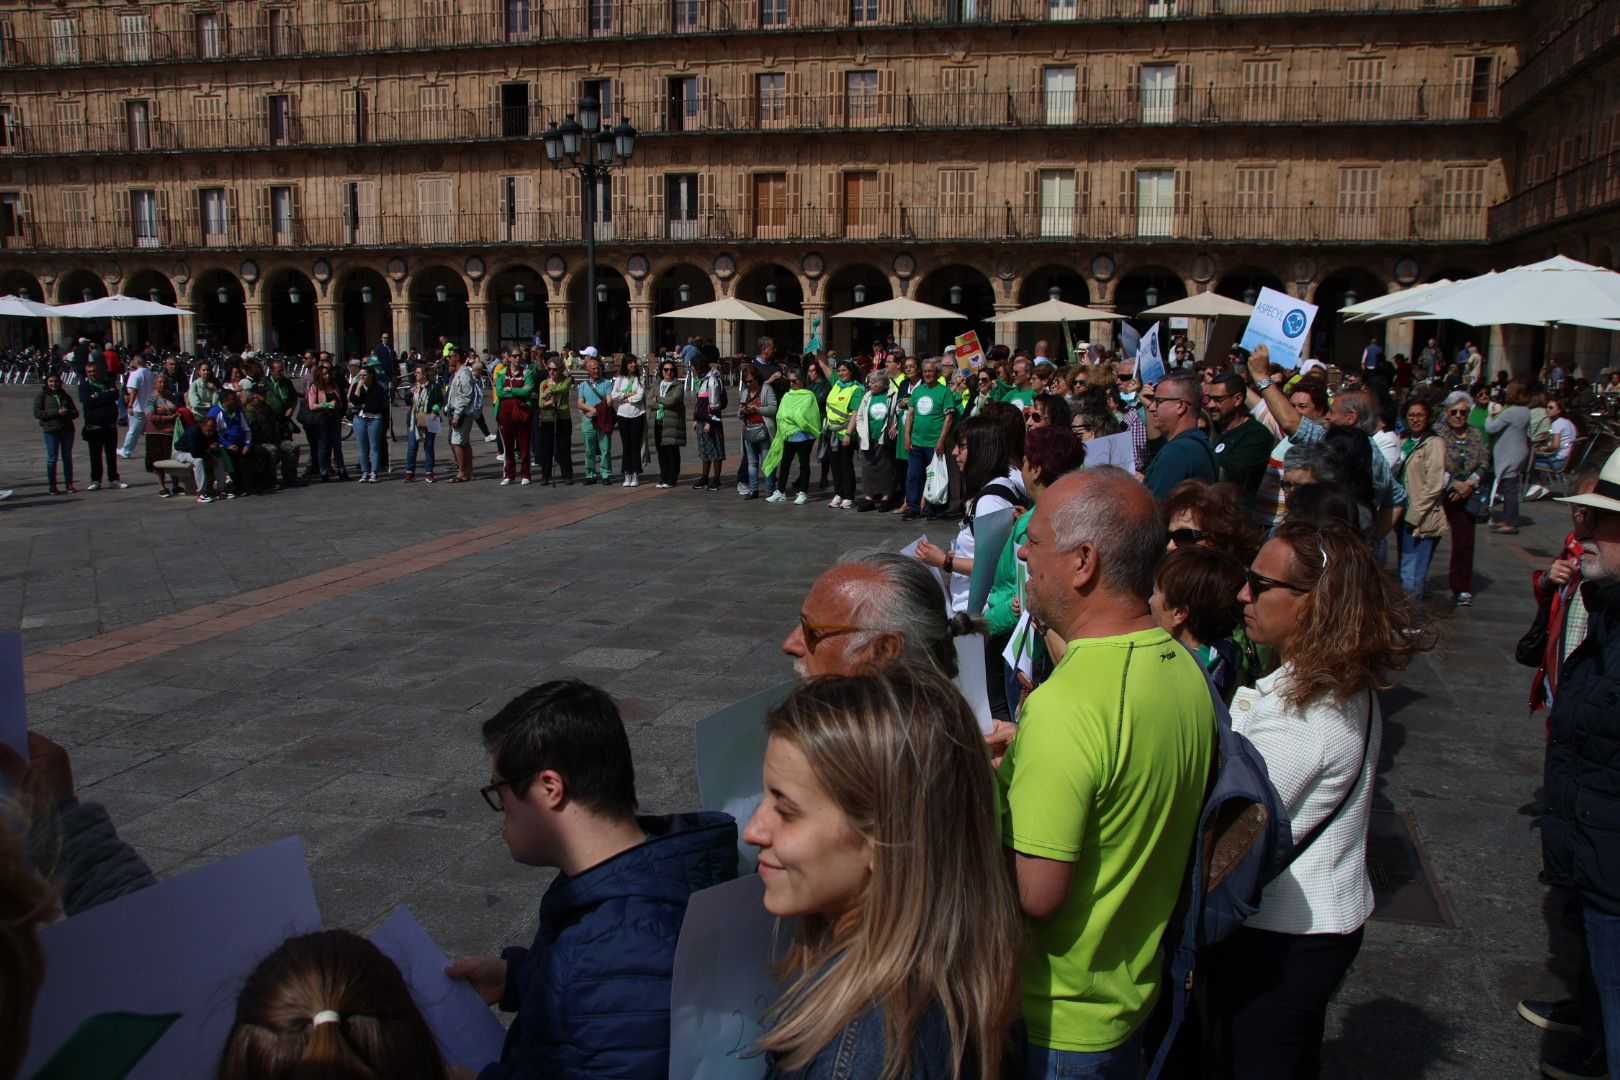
<point>1243,841</point>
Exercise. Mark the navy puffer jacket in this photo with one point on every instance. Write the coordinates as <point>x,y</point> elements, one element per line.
<point>1580,824</point>
<point>592,992</point>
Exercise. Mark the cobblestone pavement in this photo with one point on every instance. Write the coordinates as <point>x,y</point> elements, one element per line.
<point>319,662</point>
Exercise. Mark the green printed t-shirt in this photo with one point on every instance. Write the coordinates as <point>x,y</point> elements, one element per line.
<point>1107,772</point>
<point>877,415</point>
<point>929,406</point>
<point>1021,396</point>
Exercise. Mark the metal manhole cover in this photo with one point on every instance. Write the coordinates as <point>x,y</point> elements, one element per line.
<point>1404,887</point>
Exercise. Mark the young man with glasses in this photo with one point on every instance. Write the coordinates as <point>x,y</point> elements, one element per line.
<point>1186,453</point>
<point>592,993</point>
<point>1242,443</point>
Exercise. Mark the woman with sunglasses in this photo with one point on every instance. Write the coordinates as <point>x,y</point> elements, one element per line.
<point>1319,597</point>
<point>1198,514</point>
<point>669,422</point>
<point>1048,410</point>
<point>1467,462</point>
<point>628,397</point>
<point>556,445</point>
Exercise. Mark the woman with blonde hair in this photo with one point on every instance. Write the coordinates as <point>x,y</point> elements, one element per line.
<point>878,831</point>
<point>1317,595</point>
<point>329,1004</point>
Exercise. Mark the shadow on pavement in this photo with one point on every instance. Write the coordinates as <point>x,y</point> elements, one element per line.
<point>1389,1038</point>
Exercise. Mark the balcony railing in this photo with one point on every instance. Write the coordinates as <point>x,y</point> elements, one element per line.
<point>1581,190</point>
<point>899,224</point>
<point>1209,105</point>
<point>587,19</point>
<point>1596,31</point>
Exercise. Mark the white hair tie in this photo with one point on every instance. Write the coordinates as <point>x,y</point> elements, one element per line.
<point>326,1016</point>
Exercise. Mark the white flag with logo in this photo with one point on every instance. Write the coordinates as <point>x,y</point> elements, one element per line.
<point>1149,360</point>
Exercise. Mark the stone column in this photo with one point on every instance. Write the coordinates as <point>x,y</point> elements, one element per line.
<point>557,322</point>
<point>55,329</point>
<point>258,323</point>
<point>478,328</point>
<point>1103,331</point>
<point>188,330</point>
<point>328,327</point>
<point>402,324</point>
<point>641,328</point>
<point>1399,334</point>
<point>1591,352</point>
<point>907,333</point>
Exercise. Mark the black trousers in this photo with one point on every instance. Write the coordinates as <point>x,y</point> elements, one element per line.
<point>556,447</point>
<point>669,465</point>
<point>843,468</point>
<point>792,451</point>
<point>632,429</point>
<point>1265,1002</point>
<point>103,446</point>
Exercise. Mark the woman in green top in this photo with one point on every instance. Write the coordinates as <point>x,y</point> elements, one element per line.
<point>203,393</point>
<point>55,411</point>
<point>815,380</point>
<point>556,423</point>
<point>842,400</point>
<point>874,430</point>
<point>798,422</point>
<point>514,390</point>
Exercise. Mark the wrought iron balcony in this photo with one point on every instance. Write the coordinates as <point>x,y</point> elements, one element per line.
<point>1564,57</point>
<point>1582,190</point>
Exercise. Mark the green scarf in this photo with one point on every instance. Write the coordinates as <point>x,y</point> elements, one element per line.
<point>799,411</point>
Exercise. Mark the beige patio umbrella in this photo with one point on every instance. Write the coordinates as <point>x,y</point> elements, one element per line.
<point>1055,311</point>
<point>1207,305</point>
<point>733,309</point>
<point>900,308</point>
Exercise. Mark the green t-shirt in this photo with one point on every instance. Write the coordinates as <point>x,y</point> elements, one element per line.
<point>1107,772</point>
<point>929,407</point>
<point>1023,397</point>
<point>877,415</point>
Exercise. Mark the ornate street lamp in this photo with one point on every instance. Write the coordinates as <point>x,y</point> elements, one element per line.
<point>956,296</point>
<point>770,294</point>
<point>585,147</point>
<point>518,293</point>
<point>686,294</point>
<point>1250,295</point>
<point>223,295</point>
<point>441,294</point>
<point>293,295</point>
<point>1054,293</point>
<point>1152,296</point>
<point>860,294</point>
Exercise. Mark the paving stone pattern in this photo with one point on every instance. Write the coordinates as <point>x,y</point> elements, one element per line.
<point>318,663</point>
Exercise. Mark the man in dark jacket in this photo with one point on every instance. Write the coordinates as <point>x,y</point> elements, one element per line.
<point>1186,453</point>
<point>592,993</point>
<point>98,402</point>
<point>1580,823</point>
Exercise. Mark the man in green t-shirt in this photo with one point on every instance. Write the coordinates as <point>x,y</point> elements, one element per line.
<point>1103,783</point>
<point>1019,392</point>
<point>929,414</point>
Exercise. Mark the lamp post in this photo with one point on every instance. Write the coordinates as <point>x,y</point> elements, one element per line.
<point>581,144</point>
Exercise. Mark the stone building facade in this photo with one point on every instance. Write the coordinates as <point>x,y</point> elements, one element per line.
<point>302,174</point>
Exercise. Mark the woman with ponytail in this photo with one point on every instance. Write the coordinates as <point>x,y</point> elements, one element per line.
<point>329,1004</point>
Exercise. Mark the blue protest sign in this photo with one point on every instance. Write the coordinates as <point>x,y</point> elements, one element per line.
<point>1282,324</point>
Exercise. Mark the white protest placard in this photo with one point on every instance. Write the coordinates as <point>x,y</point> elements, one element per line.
<point>13,695</point>
<point>972,680</point>
<point>731,762</point>
<point>721,984</point>
<point>1282,324</point>
<point>1111,450</point>
<point>468,1033</point>
<point>1149,357</point>
<point>910,552</point>
<point>184,946</point>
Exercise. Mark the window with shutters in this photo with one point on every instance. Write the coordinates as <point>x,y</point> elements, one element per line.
<point>135,37</point>
<point>1155,201</point>
<point>1358,201</point>
<point>1161,9</point>
<point>143,217</point>
<point>682,104</point>
<point>435,209</point>
<point>209,35</point>
<point>1474,86</point>
<point>13,217</point>
<point>208,120</point>
<point>283,214</point>
<point>138,124</point>
<point>1364,83</point>
<point>603,13</point>
<point>435,105</point>
<point>355,19</point>
<point>8,42</point>
<point>69,115</point>
<point>1255,200</point>
<point>1058,91</point>
<point>686,19</point>
<point>602,91</point>
<point>1158,93</point>
<point>681,206</point>
<point>519,20</point>
<point>770,204</point>
<point>436,20</point>
<point>279,24</point>
<point>64,40</point>
<point>863,11</point>
<point>516,201</point>
<point>279,111</point>
<point>862,206</point>
<point>360,211</point>
<point>1062,10</point>
<point>770,93</point>
<point>355,117</point>
<point>1462,195</point>
<point>10,133</point>
<point>75,206</point>
<point>1260,89</point>
<point>862,107</point>
<point>773,12</point>
<point>958,201</point>
<point>213,208</point>
<point>514,98</point>
<point>602,207</point>
<point>1056,193</point>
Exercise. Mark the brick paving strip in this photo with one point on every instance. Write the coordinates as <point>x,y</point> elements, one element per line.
<point>63,664</point>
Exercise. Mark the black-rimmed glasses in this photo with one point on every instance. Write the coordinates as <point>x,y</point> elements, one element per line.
<point>492,792</point>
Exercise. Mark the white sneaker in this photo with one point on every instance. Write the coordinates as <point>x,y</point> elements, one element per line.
<point>95,485</point>
<point>505,480</point>
<point>661,484</point>
<point>120,485</point>
<point>836,503</point>
<point>491,438</point>
<point>123,453</point>
<point>776,497</point>
<point>849,504</point>
<point>626,480</point>
<point>635,481</point>
<point>523,482</point>
<point>498,457</point>
<point>7,493</point>
<point>800,499</point>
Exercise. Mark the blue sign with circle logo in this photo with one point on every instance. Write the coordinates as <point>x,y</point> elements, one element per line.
<point>1293,323</point>
<point>1282,324</point>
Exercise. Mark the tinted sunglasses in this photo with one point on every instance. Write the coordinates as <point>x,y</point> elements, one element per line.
<point>1259,583</point>
<point>1186,537</point>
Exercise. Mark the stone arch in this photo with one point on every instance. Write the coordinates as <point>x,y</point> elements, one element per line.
<point>218,322</point>
<point>758,281</point>
<point>958,286</point>
<point>852,285</point>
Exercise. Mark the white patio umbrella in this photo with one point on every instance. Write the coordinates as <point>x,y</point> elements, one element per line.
<point>1053,311</point>
<point>900,308</point>
<point>116,307</point>
<point>1593,324</point>
<point>733,309</point>
<point>1206,305</point>
<point>1555,290</point>
<point>22,308</point>
<point>1378,307</point>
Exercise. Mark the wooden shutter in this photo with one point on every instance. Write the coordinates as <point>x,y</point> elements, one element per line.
<point>884,222</point>
<point>121,214</point>
<point>793,90</point>
<point>1183,203</point>
<point>261,208</point>
<point>232,227</point>
<point>1462,82</point>
<point>656,208</point>
<point>504,210</point>
<point>164,229</point>
<point>835,105</point>
<point>706,213</point>
<point>1184,91</point>
<point>706,114</point>
<point>1129,101</point>
<point>297,212</point>
<point>618,201</point>
<point>886,105</point>
<point>571,198</point>
<point>795,199</point>
<point>366,204</point>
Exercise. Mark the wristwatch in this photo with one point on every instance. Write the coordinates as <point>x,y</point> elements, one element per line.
<point>1262,385</point>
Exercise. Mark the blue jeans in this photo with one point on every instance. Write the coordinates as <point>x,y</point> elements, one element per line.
<point>1416,552</point>
<point>137,428</point>
<point>753,454</point>
<point>368,433</point>
<point>1603,952</point>
<point>916,473</point>
<point>59,444</point>
<point>426,438</point>
<point>1123,1062</point>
